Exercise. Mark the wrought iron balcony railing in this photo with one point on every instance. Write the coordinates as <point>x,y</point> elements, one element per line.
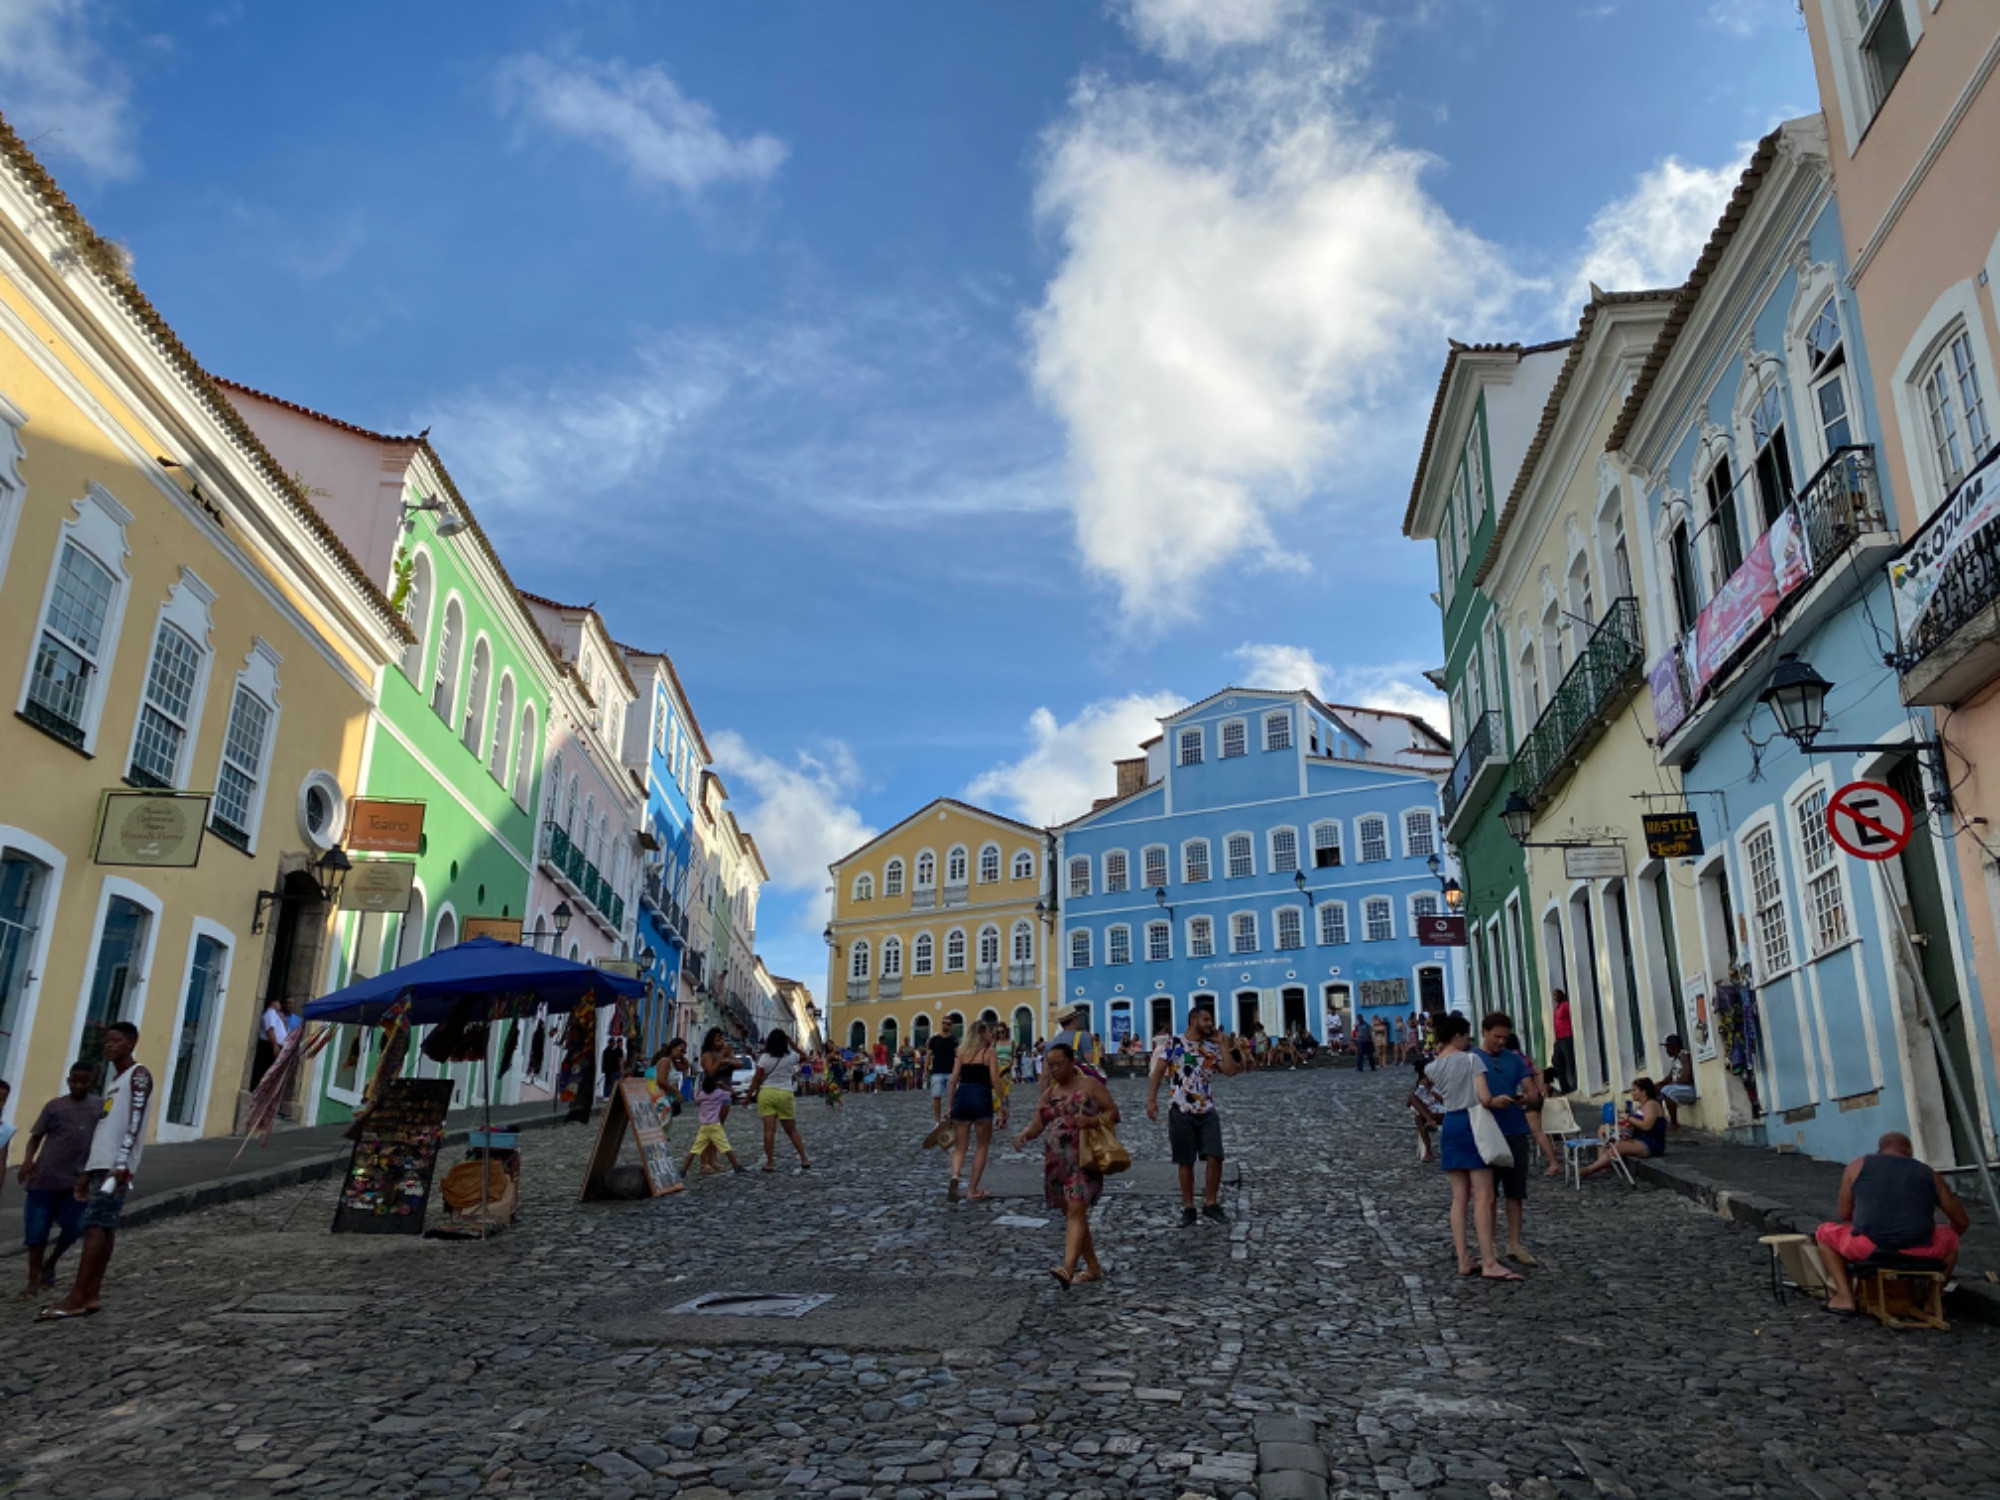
<point>923,898</point>
<point>1482,744</point>
<point>889,987</point>
<point>1021,976</point>
<point>1840,503</point>
<point>1967,584</point>
<point>986,977</point>
<point>857,992</point>
<point>1605,673</point>
<point>955,895</point>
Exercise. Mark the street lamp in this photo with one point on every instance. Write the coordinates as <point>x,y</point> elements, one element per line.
<point>1796,696</point>
<point>328,872</point>
<point>1299,880</point>
<point>1519,816</point>
<point>1454,897</point>
<point>448,524</point>
<point>562,916</point>
<point>1160,896</point>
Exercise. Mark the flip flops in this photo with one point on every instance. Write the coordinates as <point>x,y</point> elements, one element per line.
<point>63,1314</point>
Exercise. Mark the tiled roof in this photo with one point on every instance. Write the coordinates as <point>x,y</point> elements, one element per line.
<point>1552,410</point>
<point>318,416</point>
<point>617,652</point>
<point>106,261</point>
<point>1690,292</point>
<point>1519,351</point>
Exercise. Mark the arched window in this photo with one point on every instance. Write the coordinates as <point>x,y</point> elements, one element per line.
<point>926,870</point>
<point>1201,937</point>
<point>989,864</point>
<point>603,841</point>
<point>922,952</point>
<point>1079,876</point>
<point>954,865</point>
<point>857,1036</point>
<point>954,951</point>
<point>892,878</point>
<point>892,958</point>
<point>1024,865</point>
<point>1154,858</point>
<point>864,887</point>
<point>1326,845</point>
<point>524,757</point>
<point>588,832</point>
<point>857,960</point>
<point>417,611</point>
<point>889,1033</point>
<point>444,688</point>
<point>1079,948</point>
<point>1378,917</point>
<point>1159,942</point>
<point>1117,871</point>
<point>472,734</point>
<point>569,807</point>
<point>1024,942</point>
<point>1291,927</point>
<point>1118,945</point>
<point>503,730</point>
<point>989,947</point>
<point>1242,859</point>
<point>447,933</point>
<point>1284,850</point>
<point>920,1031</point>
<point>1419,834</point>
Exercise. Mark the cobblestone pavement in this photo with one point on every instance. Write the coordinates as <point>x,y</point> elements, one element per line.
<point>245,1351</point>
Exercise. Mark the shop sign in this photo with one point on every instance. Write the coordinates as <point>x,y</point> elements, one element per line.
<point>1673,835</point>
<point>382,885</point>
<point>1593,861</point>
<point>161,829</point>
<point>376,825</point>
<point>506,929</point>
<point>1441,932</point>
<point>626,967</point>
<point>1916,576</point>
<point>1777,565</point>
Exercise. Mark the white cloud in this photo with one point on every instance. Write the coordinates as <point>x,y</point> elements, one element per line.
<point>63,96</point>
<point>1284,668</point>
<point>1069,765</point>
<point>1745,18</point>
<point>638,115</point>
<point>1247,275</point>
<point>800,813</point>
<point>1192,28</point>
<point>1652,236</point>
<point>1397,686</point>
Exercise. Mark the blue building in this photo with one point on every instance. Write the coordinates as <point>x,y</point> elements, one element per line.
<point>1753,430</point>
<point>1265,858</point>
<point>665,749</point>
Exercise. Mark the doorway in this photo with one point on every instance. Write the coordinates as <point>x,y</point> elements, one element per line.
<point>1160,1015</point>
<point>22,884</point>
<point>1337,1006</point>
<point>1247,1018</point>
<point>1924,885</point>
<point>115,977</point>
<point>1430,990</point>
<point>857,1036</point>
<point>1024,1028</point>
<point>192,1045</point>
<point>1293,1002</point>
<point>1586,1003</point>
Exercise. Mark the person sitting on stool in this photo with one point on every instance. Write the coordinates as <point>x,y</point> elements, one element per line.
<point>1889,1201</point>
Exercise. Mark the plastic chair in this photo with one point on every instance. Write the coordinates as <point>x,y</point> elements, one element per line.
<point>1610,1117</point>
<point>1559,1124</point>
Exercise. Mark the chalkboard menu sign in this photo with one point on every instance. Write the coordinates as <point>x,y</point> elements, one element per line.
<point>388,1182</point>
<point>632,1106</point>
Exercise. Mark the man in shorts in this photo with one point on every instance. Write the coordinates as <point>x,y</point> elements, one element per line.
<point>1510,1080</point>
<point>58,1146</point>
<point>115,1148</point>
<point>943,1048</point>
<point>1193,1127</point>
<point>1676,1080</point>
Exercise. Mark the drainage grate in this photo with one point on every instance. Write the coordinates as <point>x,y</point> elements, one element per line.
<point>753,1304</point>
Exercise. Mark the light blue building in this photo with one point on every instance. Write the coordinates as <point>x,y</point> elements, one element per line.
<point>664,746</point>
<point>1753,431</point>
<point>1268,856</point>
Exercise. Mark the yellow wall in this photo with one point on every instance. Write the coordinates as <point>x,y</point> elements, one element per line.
<point>937,828</point>
<point>49,800</point>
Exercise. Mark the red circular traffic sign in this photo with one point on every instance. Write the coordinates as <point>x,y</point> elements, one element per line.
<point>1869,820</point>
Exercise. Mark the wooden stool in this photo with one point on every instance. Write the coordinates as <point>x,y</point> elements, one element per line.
<point>1899,1291</point>
<point>1794,1265</point>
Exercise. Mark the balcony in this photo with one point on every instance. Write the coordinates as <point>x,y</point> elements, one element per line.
<point>1947,592</point>
<point>1606,672</point>
<point>986,977</point>
<point>857,992</point>
<point>923,898</point>
<point>1476,771</point>
<point>1021,976</point>
<point>956,895</point>
<point>890,987</point>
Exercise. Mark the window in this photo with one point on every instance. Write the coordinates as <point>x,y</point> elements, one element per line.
<point>1885,45</point>
<point>857,960</point>
<point>1194,861</point>
<point>1773,463</point>
<point>954,951</point>
<point>1154,857</point>
<point>1242,863</point>
<point>1190,743</point>
<point>954,866</point>
<point>1159,942</point>
<point>1243,932</point>
<point>1291,927</point>
<point>503,730</point>
<point>1424,904</point>
<point>234,816</point>
<point>1960,436</point>
<point>1419,834</point>
<point>1201,937</point>
<point>67,656</point>
<point>1475,472</point>
<point>1374,833</point>
<point>989,864</point>
<point>444,687</point>
<point>1378,919</point>
<point>1079,948</point>
<point>1826,356</point>
<point>1326,845</point>
<point>922,953</point>
<point>892,878</point>
<point>864,887</point>
<point>1826,900</point>
<point>1284,850</point>
<point>1727,540</point>
<point>1333,921</point>
<point>417,611</point>
<point>1024,865</point>
<point>1079,876</point>
<point>166,710</point>
<point>892,958</point>
<point>926,870</point>
<point>989,947</point>
<point>1117,872</point>
<point>524,756</point>
<point>1767,900</point>
<point>1278,731</point>
<point>1687,596</point>
<point>1118,945</point>
<point>473,734</point>
<point>1024,943</point>
<point>1235,738</point>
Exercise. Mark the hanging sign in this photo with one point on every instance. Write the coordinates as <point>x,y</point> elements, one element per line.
<point>1869,820</point>
<point>632,1106</point>
<point>506,929</point>
<point>1593,861</point>
<point>1672,835</point>
<point>388,1182</point>
<point>162,829</point>
<point>1441,932</point>
<point>1927,590</point>
<point>382,885</point>
<point>376,825</point>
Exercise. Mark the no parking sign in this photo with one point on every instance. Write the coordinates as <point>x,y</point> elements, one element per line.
<point>1869,820</point>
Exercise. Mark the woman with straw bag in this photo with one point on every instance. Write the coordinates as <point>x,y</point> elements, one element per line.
<point>1072,1105</point>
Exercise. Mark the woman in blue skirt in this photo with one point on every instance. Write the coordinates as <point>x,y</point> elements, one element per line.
<point>1459,1076</point>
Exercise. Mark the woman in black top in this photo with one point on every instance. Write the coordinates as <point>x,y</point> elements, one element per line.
<point>971,1095</point>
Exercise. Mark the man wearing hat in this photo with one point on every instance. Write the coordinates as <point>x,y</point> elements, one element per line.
<point>1073,1032</point>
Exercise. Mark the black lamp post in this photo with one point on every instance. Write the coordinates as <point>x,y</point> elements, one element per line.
<point>1299,880</point>
<point>1160,897</point>
<point>1796,696</point>
<point>328,873</point>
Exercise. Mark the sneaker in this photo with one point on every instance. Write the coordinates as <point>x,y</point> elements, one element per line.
<point>1213,1211</point>
<point>1189,1218</point>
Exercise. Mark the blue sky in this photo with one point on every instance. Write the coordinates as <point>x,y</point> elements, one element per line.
<point>950,388</point>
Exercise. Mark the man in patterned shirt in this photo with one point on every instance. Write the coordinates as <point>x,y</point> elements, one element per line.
<point>115,1150</point>
<point>1193,1127</point>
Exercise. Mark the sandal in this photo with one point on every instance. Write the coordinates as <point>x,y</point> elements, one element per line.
<point>978,1197</point>
<point>1065,1277</point>
<point>63,1314</point>
<point>1505,1275</point>
<point>1083,1276</point>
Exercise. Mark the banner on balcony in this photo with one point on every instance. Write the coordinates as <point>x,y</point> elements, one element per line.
<point>1776,566</point>
<point>1915,576</point>
<point>1670,699</point>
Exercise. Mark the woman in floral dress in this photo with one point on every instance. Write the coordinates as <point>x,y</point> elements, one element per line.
<point>1070,1099</point>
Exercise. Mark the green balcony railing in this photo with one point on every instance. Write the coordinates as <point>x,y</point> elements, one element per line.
<point>1605,673</point>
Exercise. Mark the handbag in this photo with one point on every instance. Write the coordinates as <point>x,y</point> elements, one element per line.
<point>1099,1150</point>
<point>1488,1137</point>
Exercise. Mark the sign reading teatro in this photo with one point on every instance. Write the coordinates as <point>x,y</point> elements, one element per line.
<point>376,825</point>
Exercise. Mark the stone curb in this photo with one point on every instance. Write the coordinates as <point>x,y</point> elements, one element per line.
<point>1976,1300</point>
<point>1290,1463</point>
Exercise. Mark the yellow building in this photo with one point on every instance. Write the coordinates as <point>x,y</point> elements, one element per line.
<point>175,617</point>
<point>940,916</point>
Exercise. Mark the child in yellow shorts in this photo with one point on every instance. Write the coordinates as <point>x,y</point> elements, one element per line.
<point>712,1104</point>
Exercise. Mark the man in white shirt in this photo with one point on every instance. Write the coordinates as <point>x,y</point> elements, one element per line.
<point>271,1033</point>
<point>115,1150</point>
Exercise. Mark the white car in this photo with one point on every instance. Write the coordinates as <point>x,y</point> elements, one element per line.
<point>739,1081</point>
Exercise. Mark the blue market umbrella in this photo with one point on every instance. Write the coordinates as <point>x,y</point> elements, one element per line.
<point>515,980</point>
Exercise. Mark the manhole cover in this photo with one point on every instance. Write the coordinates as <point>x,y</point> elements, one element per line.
<point>753,1304</point>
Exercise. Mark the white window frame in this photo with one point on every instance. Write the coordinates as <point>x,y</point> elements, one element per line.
<point>1764,827</point>
<point>1370,905</point>
<point>259,678</point>
<point>892,957</point>
<point>506,709</point>
<point>1023,865</point>
<point>1242,738</point>
<point>13,488</point>
<point>1116,933</point>
<point>455,646</point>
<point>1361,826</point>
<point>1079,946</point>
<point>994,851</point>
<point>142,984</point>
<point>186,610</point>
<point>1164,933</point>
<point>923,955</point>
<point>859,955</point>
<point>1428,820</point>
<point>98,531</point>
<point>957,857</point>
<point>1189,739</point>
<point>1165,862</point>
<point>1020,952</point>
<point>472,730</point>
<point>1188,877</point>
<point>1297,914</point>
<point>892,877</point>
<point>1236,945</point>
<point>1804,836</point>
<point>1333,913</point>
<point>1079,882</point>
<point>1229,849</point>
<point>1273,861</point>
<point>524,756</point>
<point>862,888</point>
<point>918,882</point>
<point>1278,722</point>
<point>1122,881</point>
<point>1196,941</point>
<point>1422,904</point>
<point>1340,853</point>
<point>954,963</point>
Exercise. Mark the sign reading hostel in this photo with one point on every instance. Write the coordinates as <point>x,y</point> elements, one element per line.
<point>161,829</point>
<point>378,826</point>
<point>1869,820</point>
<point>1672,835</point>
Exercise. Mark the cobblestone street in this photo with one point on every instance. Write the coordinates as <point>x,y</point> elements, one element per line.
<point>245,1351</point>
